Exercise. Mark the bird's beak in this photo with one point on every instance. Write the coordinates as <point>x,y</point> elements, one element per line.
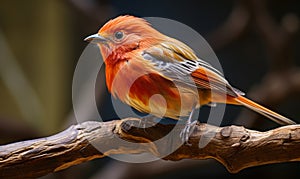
<point>95,38</point>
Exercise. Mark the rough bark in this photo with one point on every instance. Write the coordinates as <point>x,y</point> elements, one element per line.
<point>234,146</point>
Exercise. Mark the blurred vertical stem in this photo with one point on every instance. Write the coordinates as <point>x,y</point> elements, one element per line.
<point>37,32</point>
<point>18,85</point>
<point>54,42</point>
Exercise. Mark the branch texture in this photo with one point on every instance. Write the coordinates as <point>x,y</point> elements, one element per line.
<point>234,146</point>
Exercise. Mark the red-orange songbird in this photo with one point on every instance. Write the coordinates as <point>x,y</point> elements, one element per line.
<point>141,62</point>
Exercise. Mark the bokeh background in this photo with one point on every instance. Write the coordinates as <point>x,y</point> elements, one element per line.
<point>257,42</point>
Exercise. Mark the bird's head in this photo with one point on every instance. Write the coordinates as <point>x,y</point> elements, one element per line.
<point>124,34</point>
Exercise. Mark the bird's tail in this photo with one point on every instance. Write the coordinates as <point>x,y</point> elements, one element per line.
<point>264,111</point>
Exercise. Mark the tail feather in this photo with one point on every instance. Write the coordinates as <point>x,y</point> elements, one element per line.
<point>264,111</point>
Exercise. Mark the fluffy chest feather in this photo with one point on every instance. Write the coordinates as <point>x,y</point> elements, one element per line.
<point>136,83</point>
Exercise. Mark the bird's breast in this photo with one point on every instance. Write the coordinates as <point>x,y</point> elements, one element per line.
<point>146,90</point>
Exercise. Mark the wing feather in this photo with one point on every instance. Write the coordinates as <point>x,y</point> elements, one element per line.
<point>176,61</point>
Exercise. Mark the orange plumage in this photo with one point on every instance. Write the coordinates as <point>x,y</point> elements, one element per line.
<point>141,62</point>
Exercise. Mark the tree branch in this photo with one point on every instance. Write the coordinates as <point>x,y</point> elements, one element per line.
<point>235,147</point>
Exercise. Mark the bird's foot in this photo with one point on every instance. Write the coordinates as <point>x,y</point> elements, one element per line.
<point>186,131</point>
<point>147,121</point>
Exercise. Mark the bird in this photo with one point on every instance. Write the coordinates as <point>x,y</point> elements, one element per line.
<point>141,62</point>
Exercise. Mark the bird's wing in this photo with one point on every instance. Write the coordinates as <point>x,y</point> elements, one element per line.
<point>178,62</point>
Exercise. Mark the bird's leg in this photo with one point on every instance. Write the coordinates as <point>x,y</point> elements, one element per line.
<point>147,121</point>
<point>188,128</point>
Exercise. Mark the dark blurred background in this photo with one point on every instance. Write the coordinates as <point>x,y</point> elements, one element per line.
<point>256,41</point>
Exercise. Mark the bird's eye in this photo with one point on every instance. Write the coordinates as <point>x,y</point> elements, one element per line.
<point>119,35</point>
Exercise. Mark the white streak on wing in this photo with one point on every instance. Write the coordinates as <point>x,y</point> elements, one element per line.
<point>181,68</point>
<point>209,66</point>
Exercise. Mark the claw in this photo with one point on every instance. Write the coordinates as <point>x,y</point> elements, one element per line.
<point>188,129</point>
<point>186,132</point>
<point>147,121</point>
